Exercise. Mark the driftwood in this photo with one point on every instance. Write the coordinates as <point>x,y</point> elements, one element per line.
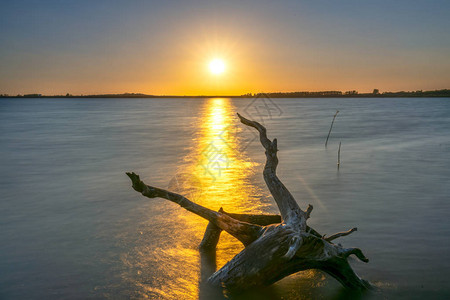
<point>275,246</point>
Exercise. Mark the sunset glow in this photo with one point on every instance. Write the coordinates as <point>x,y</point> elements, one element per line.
<point>217,66</point>
<point>222,49</point>
<point>176,149</point>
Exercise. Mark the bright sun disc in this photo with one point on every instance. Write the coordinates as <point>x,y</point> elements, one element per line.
<point>217,66</point>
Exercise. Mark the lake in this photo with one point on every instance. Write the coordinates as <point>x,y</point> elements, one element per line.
<point>73,228</point>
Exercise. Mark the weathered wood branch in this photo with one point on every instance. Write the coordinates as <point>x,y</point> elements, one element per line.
<point>212,232</point>
<point>339,234</point>
<point>275,245</point>
<point>244,232</point>
<point>289,209</point>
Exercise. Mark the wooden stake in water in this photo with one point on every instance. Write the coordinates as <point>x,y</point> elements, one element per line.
<point>329,132</point>
<point>339,155</point>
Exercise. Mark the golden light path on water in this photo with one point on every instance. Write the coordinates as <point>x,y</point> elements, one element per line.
<point>215,173</point>
<point>223,170</point>
<point>221,177</point>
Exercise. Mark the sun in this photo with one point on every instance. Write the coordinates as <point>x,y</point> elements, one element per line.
<point>217,66</point>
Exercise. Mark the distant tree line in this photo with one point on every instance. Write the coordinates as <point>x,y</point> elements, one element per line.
<point>320,94</point>
<point>302,94</point>
<point>353,93</point>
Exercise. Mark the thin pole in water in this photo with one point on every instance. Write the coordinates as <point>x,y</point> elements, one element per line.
<point>329,132</point>
<point>339,156</point>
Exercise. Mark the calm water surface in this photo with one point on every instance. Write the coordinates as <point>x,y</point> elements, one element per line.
<point>72,227</point>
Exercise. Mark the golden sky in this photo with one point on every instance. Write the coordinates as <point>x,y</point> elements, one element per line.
<point>165,48</point>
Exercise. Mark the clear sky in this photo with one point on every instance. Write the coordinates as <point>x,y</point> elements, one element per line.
<point>164,47</point>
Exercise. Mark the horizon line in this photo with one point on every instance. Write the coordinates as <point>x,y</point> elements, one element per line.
<point>297,94</point>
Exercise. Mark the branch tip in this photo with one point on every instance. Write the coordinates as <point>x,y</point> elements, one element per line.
<point>308,211</point>
<point>138,185</point>
<point>339,234</point>
<point>357,252</point>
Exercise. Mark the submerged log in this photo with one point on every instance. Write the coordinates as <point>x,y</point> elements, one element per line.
<point>275,245</point>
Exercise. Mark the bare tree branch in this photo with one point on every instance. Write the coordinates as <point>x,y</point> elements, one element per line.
<point>357,252</point>
<point>244,232</point>
<point>289,209</point>
<point>339,234</point>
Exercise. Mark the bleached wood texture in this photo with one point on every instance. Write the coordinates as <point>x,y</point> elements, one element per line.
<point>275,246</point>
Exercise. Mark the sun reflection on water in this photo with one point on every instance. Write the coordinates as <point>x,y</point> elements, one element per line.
<point>166,262</point>
<point>224,171</point>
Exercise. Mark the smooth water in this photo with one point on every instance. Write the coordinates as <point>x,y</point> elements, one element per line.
<point>71,227</point>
